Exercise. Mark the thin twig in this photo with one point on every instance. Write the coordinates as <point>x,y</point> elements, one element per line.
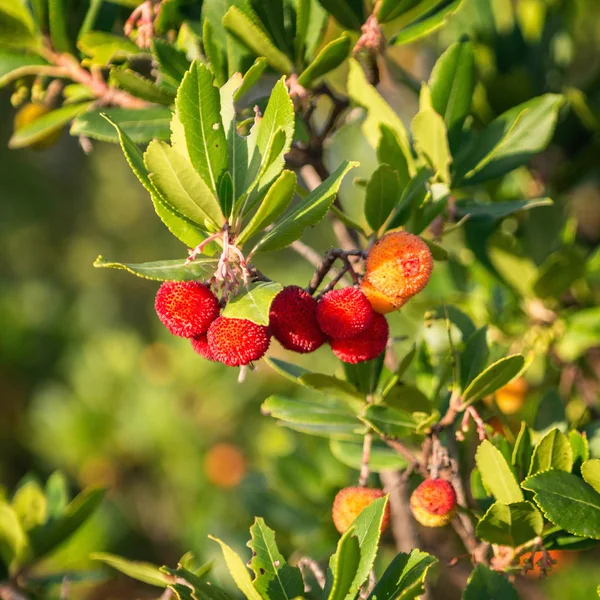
<point>366,457</point>
<point>308,564</point>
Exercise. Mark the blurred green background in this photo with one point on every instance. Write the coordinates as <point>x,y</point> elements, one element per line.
<point>93,385</point>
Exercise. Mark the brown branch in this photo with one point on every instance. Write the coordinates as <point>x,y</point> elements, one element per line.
<point>324,266</point>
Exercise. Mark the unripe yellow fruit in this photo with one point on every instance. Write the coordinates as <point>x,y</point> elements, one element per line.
<point>32,112</point>
<point>380,303</point>
<point>511,397</point>
<point>350,502</point>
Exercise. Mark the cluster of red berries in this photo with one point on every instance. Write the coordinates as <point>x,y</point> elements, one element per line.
<point>350,319</point>
<point>433,504</point>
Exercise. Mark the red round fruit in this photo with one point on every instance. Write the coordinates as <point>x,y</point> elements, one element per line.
<point>293,320</point>
<point>186,308</point>
<point>344,313</point>
<point>366,345</point>
<point>433,503</point>
<point>237,342</point>
<point>200,346</point>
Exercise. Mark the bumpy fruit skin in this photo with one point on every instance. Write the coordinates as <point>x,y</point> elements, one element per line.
<point>399,266</point>
<point>433,503</point>
<point>237,342</point>
<point>186,308</point>
<point>29,113</point>
<point>344,313</point>
<point>511,397</point>
<point>366,345</point>
<point>349,503</point>
<point>200,346</point>
<point>293,320</point>
<point>380,303</point>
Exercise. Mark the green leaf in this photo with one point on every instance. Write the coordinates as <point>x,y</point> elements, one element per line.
<point>348,13</point>
<point>590,471</point>
<point>288,370</point>
<point>253,303</point>
<point>509,141</point>
<point>522,451</point>
<point>510,524</point>
<point>30,505</point>
<point>166,270</point>
<point>552,452</point>
<point>497,210</point>
<point>559,272</point>
<point>198,107</point>
<point>251,77</point>
<point>332,386</point>
<point>344,565</point>
<point>497,375</point>
<point>379,112</point>
<point>390,151</point>
<point>46,125</point>
<point>50,535</point>
<point>329,58</point>
<point>331,417</point>
<point>104,48</point>
<point>141,125</point>
<point>580,448</point>
<point>17,64</point>
<point>182,187</point>
<point>474,357</point>
<point>191,587</point>
<point>238,571</point>
<point>215,55</point>
<point>485,584</point>
<point>404,577</point>
<point>367,529</point>
<point>57,19</point>
<point>273,577</point>
<point>17,28</point>
<point>17,9</point>
<point>13,540</point>
<point>414,192</point>
<point>430,136</point>
<point>307,213</point>
<point>243,28</point>
<point>390,422</point>
<point>172,63</point>
<point>365,375</point>
<point>139,86</point>
<point>382,195</point>
<point>496,474</point>
<point>57,494</point>
<point>452,84</point>
<point>142,571</point>
<point>550,413</point>
<point>567,501</point>
<point>582,331</point>
<point>382,458</point>
<point>275,203</point>
<point>177,225</point>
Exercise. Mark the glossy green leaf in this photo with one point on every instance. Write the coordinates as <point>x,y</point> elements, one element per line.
<point>430,136</point>
<point>139,86</point>
<point>13,540</point>
<point>181,186</point>
<point>382,458</point>
<point>251,77</point>
<point>141,125</point>
<point>274,578</point>
<point>288,370</point>
<point>274,204</point>
<point>344,565</point>
<point>590,471</point>
<point>382,195</point>
<point>329,58</point>
<point>390,422</point>
<point>215,54</point>
<point>496,474</point>
<point>414,192</point>
<point>46,125</point>
<point>510,524</point>
<point>497,210</point>
<point>485,584</point>
<point>104,48</point>
<point>238,571</point>
<point>567,501</point>
<point>253,303</point>
<point>246,30</point>
<point>330,417</point>
<point>348,13</point>
<point>580,448</point>
<point>553,451</point>
<point>306,213</point>
<point>474,357</point>
<point>404,577</point>
<point>53,533</point>
<point>30,505</point>
<point>166,270</point>
<point>15,64</point>
<point>425,18</point>
<point>172,63</point>
<point>199,110</point>
<point>390,152</point>
<point>332,386</point>
<point>497,375</point>
<point>509,141</point>
<point>142,571</point>
<point>522,451</point>
<point>365,375</point>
